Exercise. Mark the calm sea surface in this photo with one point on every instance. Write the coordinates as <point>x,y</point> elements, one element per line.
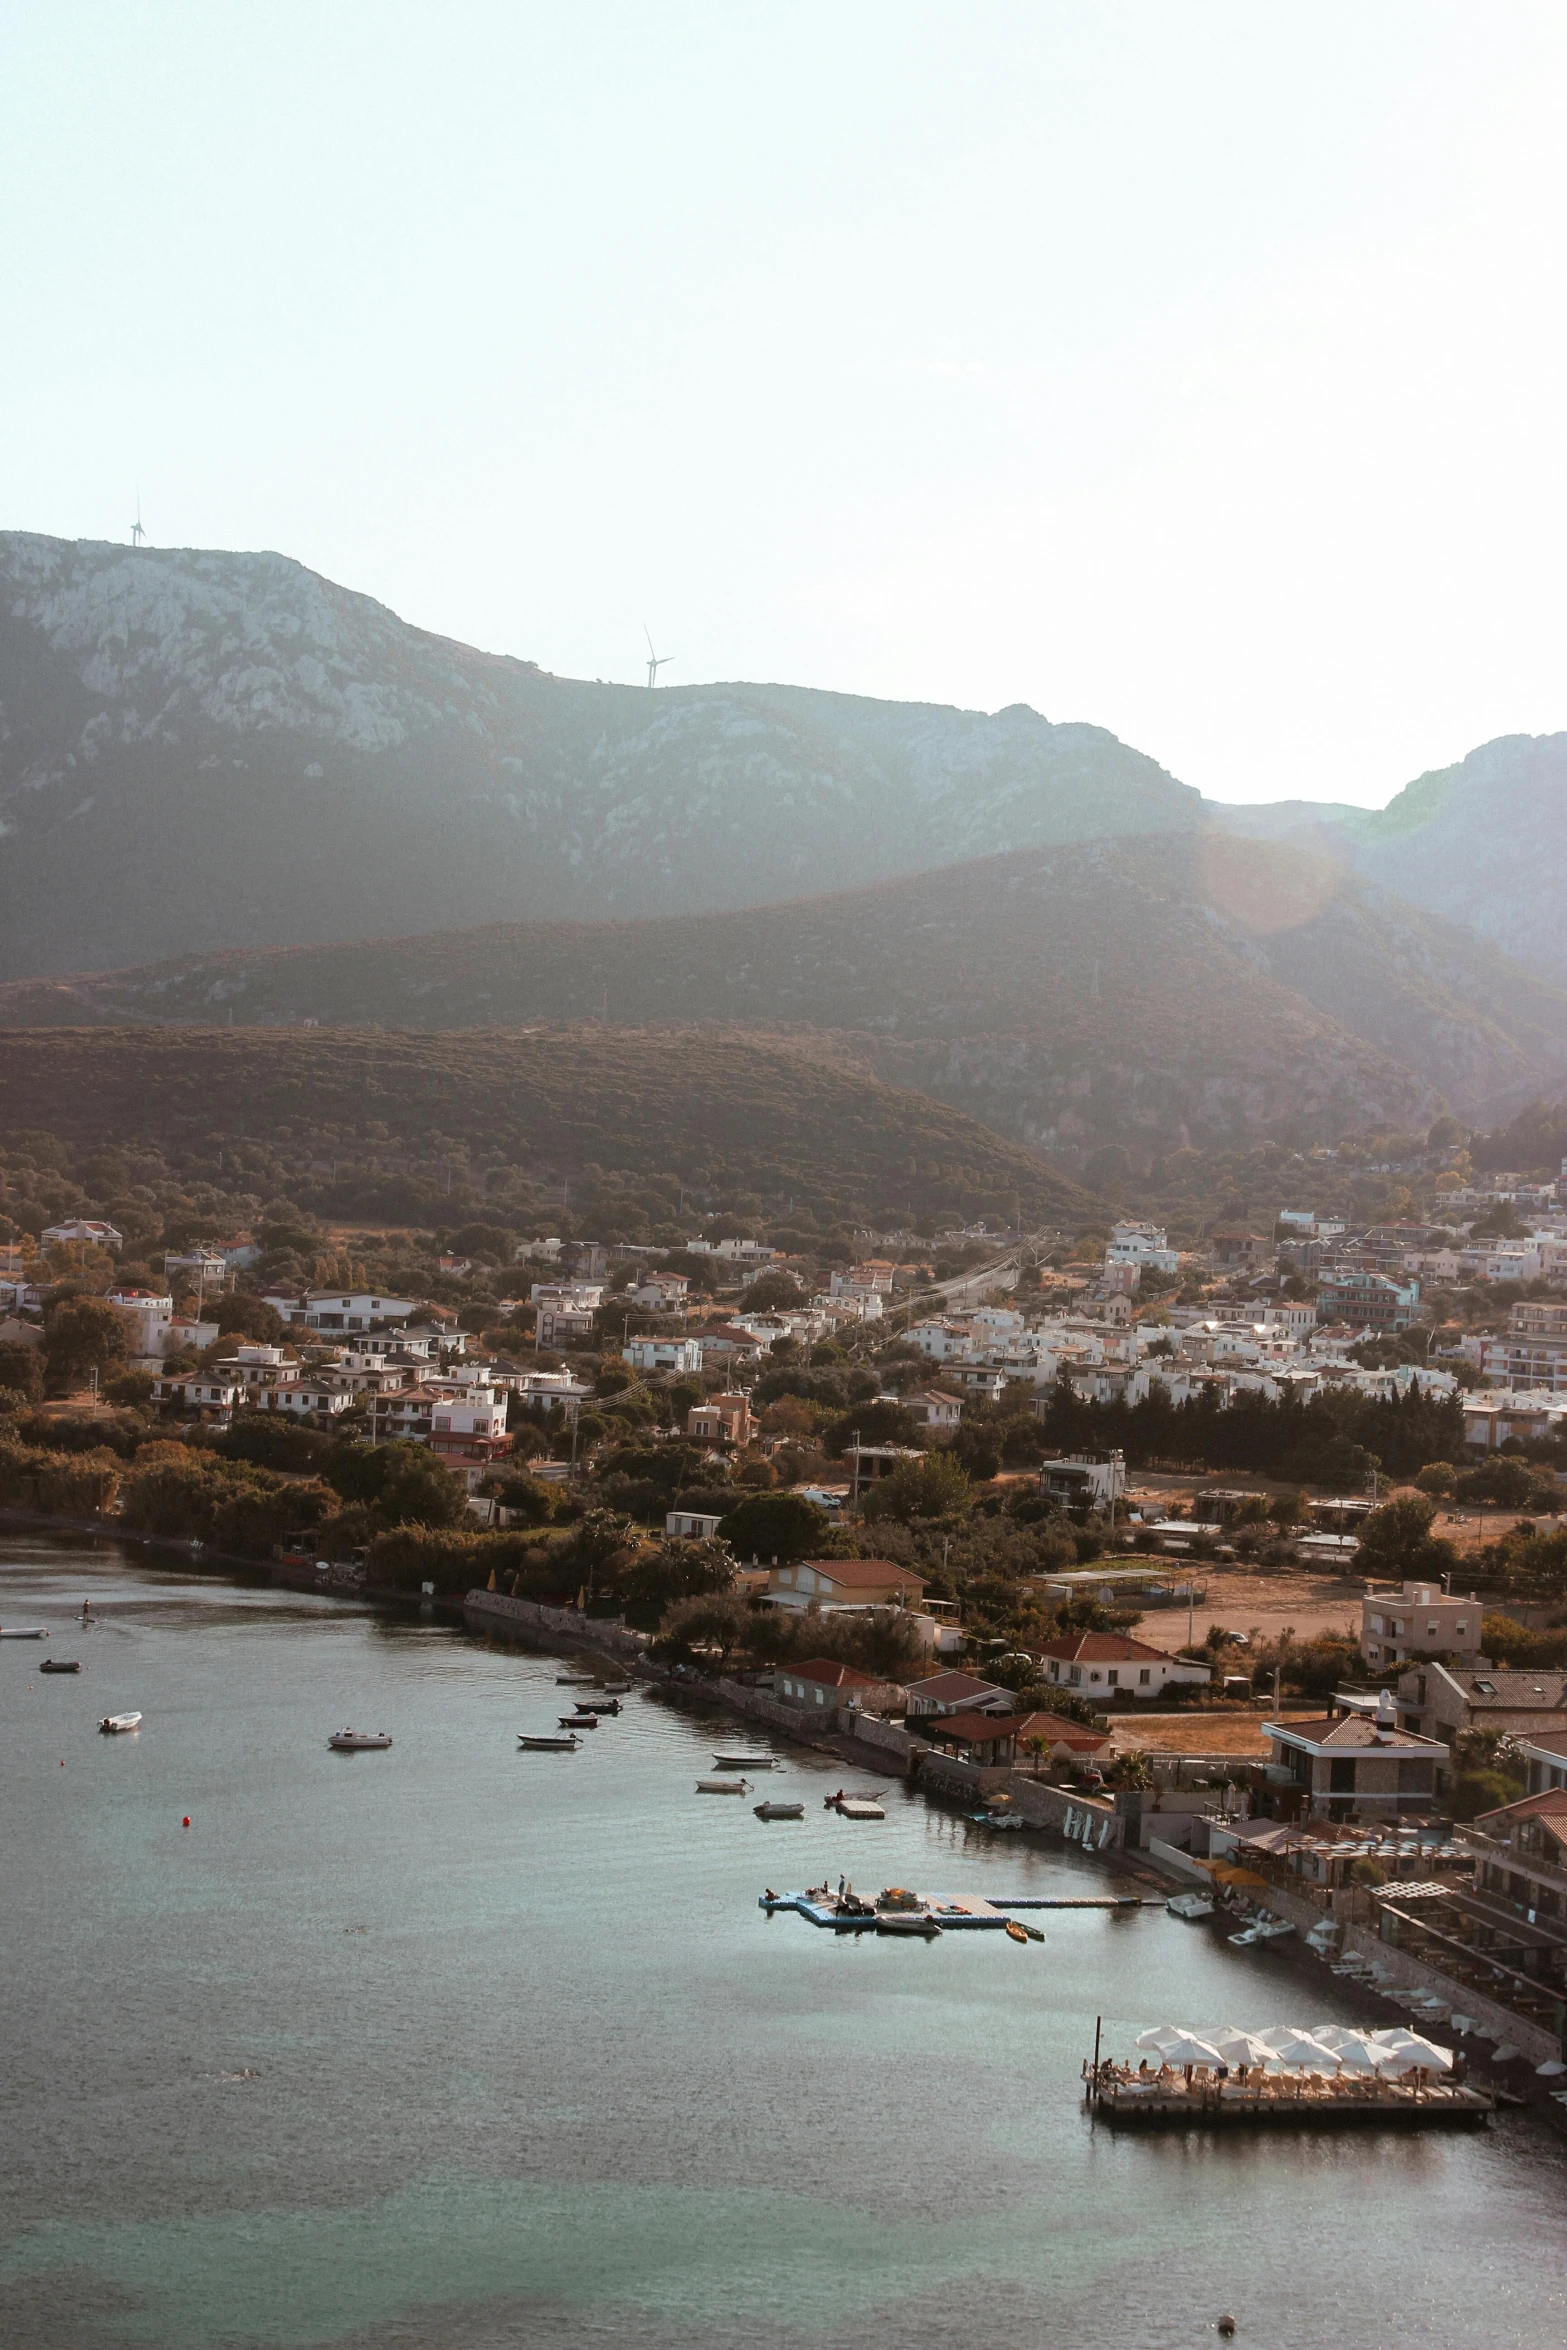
<point>458,2046</point>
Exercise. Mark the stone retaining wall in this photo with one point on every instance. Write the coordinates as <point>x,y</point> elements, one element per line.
<point>492,1611</point>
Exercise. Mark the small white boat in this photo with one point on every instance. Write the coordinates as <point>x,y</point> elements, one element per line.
<point>579,1721</point>
<point>113,1725</point>
<point>359,1741</point>
<point>1190,1906</point>
<point>779,1811</point>
<point>24,1631</point>
<point>1272,1930</point>
<point>563,1745</point>
<point>1000,1820</point>
<point>722,1787</point>
<point>907,1922</point>
<point>746,1762</point>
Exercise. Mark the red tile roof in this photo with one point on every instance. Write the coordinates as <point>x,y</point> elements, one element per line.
<point>1108,1648</point>
<point>831,1675</point>
<point>872,1574</point>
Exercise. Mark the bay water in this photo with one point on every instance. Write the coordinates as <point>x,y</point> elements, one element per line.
<point>458,2046</point>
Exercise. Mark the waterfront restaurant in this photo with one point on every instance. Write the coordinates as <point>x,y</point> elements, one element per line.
<point>993,1741</point>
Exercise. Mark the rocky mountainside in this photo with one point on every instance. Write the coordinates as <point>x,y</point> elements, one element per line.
<point>202,750</point>
<point>1197,989</point>
<point>1483,843</point>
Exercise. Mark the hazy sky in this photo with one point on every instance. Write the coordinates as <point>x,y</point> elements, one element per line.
<point>1193,369</point>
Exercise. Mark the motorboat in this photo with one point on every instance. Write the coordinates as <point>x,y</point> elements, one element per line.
<point>746,1762</point>
<point>115,1725</point>
<point>1191,1906</point>
<point>359,1741</point>
<point>24,1631</point>
<point>918,1922</point>
<point>61,1664</point>
<point>548,1745</point>
<point>1002,1821</point>
<point>779,1811</point>
<point>579,1721</point>
<point>1272,1930</point>
<point>722,1787</point>
<point>575,1681</point>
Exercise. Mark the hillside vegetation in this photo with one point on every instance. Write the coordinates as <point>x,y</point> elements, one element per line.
<point>715,1114</point>
<point>1203,990</point>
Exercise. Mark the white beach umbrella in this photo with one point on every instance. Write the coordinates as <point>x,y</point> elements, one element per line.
<point>1157,2035</point>
<point>1407,2052</point>
<point>1237,2047</point>
<point>1182,2048</point>
<point>1357,2052</point>
<point>1301,2051</point>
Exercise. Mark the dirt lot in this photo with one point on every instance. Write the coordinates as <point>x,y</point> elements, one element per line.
<point>1238,1733</point>
<point>1261,1603</point>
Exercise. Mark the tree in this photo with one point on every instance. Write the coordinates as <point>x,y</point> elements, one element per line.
<point>934,1486</point>
<point>1396,1541</point>
<point>874,1422</point>
<point>83,1335</point>
<point>784,1526</point>
<point>770,1291</point>
<point>678,1570</point>
<point>238,1315</point>
<point>401,1484</point>
<point>22,1369</point>
<point>718,1620</point>
<point>1438,1478</point>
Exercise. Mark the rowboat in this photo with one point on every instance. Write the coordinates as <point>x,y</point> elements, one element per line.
<point>360,1741</point>
<point>779,1811</point>
<point>578,1721</point>
<point>61,1664</point>
<point>113,1724</point>
<point>746,1762</point>
<point>548,1745</point>
<point>1016,1933</point>
<point>24,1631</point>
<point>906,1922</point>
<point>722,1787</point>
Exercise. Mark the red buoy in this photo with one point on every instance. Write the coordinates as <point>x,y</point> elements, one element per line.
<point>185,1822</point>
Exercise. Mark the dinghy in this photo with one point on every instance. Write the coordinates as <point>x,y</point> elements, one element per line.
<point>114,1725</point>
<point>745,1762</point>
<point>360,1741</point>
<point>779,1811</point>
<point>722,1787</point>
<point>61,1664</point>
<point>566,1745</point>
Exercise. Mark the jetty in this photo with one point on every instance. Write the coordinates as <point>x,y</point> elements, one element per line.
<point>960,1910</point>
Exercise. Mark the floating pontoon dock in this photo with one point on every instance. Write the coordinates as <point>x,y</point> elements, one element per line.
<point>953,1910</point>
<point>1291,2105</point>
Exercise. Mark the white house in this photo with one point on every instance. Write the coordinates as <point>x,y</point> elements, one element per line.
<point>678,1355</point>
<point>85,1228</point>
<point>1101,1664</point>
<point>931,1406</point>
<point>330,1309</point>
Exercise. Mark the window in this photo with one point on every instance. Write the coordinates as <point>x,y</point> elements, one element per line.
<point>1112,1676</point>
<point>1076,1673</point>
<point>1341,1776</point>
<point>1145,1675</point>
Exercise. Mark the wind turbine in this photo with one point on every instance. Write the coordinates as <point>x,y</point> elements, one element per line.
<point>655,661</point>
<point>137,533</point>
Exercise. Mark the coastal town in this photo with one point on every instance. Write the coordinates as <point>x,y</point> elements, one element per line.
<point>1238,1562</point>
